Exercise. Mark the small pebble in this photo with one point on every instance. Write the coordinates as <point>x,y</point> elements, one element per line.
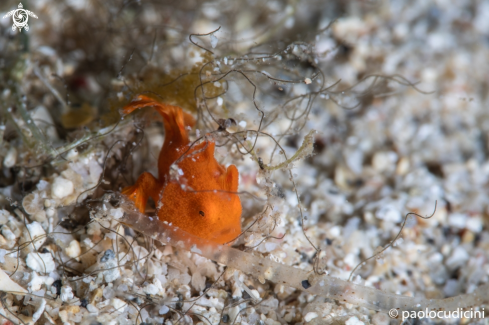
<point>270,246</point>
<point>72,154</point>
<point>458,258</point>
<point>306,284</point>
<point>37,314</point>
<point>151,289</point>
<point>118,304</point>
<point>34,232</point>
<point>40,216</point>
<point>4,214</point>
<point>310,316</point>
<point>108,293</point>
<point>383,161</point>
<point>73,250</point>
<point>163,310</point>
<point>57,286</point>
<point>256,294</point>
<point>2,255</point>
<point>39,262</point>
<point>11,158</point>
<point>475,224</point>
<point>8,234</point>
<point>47,203</point>
<point>92,309</point>
<point>62,187</point>
<point>116,213</point>
<point>457,220</point>
<point>112,272</point>
<point>354,321</point>
<point>50,212</point>
<point>8,285</point>
<point>37,281</point>
<point>108,255</point>
<point>66,293</point>
<point>122,287</point>
<point>233,312</point>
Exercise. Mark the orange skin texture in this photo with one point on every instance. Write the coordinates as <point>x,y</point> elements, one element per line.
<point>201,199</point>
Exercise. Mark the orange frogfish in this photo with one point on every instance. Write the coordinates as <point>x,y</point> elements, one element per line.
<point>201,196</point>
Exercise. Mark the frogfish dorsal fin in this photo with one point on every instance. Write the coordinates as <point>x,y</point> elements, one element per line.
<point>229,179</point>
<point>176,135</point>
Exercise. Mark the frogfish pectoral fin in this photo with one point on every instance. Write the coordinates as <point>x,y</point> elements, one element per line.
<point>226,235</point>
<point>146,186</point>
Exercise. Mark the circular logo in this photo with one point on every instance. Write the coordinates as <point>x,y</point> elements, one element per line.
<point>20,18</point>
<point>393,313</point>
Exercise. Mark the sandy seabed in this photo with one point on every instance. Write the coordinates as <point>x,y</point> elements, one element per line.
<point>366,111</point>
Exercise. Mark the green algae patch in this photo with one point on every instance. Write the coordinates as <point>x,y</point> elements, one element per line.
<point>179,87</point>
